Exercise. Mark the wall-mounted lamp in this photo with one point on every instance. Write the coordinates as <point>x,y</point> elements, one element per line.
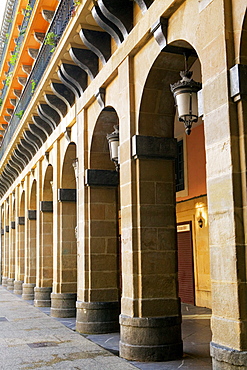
<point>200,223</point>
<point>113,142</point>
<point>185,95</point>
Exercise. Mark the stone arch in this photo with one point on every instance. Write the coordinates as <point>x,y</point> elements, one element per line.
<point>2,240</point>
<point>98,312</point>
<point>157,106</point>
<point>12,238</point>
<point>63,297</point>
<point>159,118</point>
<point>3,234</point>
<point>30,244</point>
<point>6,242</point>
<point>68,180</point>
<point>44,279</point>
<point>99,151</point>
<point>20,244</point>
<point>154,244</point>
<point>243,42</point>
<point>47,229</point>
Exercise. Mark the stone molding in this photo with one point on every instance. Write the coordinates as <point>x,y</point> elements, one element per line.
<point>42,296</point>
<point>150,338</point>
<point>63,304</point>
<point>28,291</point>
<point>228,355</point>
<point>32,214</point>
<point>154,147</point>
<point>21,220</point>
<point>67,195</point>
<point>101,178</point>
<point>18,287</point>
<point>46,206</point>
<point>97,317</point>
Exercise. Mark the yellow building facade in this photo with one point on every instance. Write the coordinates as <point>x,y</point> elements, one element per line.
<point>106,242</point>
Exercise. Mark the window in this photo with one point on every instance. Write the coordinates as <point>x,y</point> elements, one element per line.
<point>179,166</point>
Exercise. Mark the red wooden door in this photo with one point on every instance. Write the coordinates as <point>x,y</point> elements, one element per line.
<point>185,264</point>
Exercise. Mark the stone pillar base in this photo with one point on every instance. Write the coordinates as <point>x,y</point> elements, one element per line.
<point>42,297</point>
<point>150,338</point>
<point>224,358</point>
<point>18,287</point>
<point>63,304</point>
<point>28,291</point>
<point>10,284</point>
<point>97,317</point>
<point>4,281</point>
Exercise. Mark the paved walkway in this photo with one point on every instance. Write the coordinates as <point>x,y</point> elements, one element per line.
<point>31,339</point>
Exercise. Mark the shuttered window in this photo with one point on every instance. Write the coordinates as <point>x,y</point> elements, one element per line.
<point>185,267</point>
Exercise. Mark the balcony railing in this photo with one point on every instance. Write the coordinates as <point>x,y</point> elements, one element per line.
<point>6,29</point>
<point>19,42</point>
<point>58,25</point>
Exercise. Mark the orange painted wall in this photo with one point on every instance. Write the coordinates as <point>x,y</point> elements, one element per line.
<point>196,163</point>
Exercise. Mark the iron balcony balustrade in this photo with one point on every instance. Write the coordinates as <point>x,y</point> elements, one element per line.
<point>27,15</point>
<point>60,20</point>
<point>6,29</point>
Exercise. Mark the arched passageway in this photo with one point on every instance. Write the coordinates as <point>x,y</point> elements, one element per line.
<point>44,279</point>
<point>150,288</point>
<point>6,244</point>
<point>12,243</point>
<point>30,243</point>
<point>63,297</point>
<point>99,298</point>
<point>20,243</point>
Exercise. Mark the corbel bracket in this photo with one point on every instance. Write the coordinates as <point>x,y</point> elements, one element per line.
<point>159,30</point>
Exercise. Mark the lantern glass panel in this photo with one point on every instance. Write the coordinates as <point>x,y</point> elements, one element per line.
<point>114,149</point>
<point>187,105</point>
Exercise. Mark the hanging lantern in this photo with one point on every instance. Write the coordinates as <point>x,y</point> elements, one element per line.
<point>185,95</point>
<point>113,142</point>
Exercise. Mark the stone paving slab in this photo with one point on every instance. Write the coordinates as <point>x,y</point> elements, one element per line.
<point>29,339</point>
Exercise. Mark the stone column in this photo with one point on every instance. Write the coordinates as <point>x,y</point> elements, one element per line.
<point>150,320</point>
<point>225,133</point>
<point>20,241</point>
<point>1,243</point>
<point>150,317</point>
<point>99,311</point>
<point>30,247</point>
<point>98,276</point>
<point>11,279</point>
<point>43,289</point>
<point>63,297</point>
<point>5,256</point>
